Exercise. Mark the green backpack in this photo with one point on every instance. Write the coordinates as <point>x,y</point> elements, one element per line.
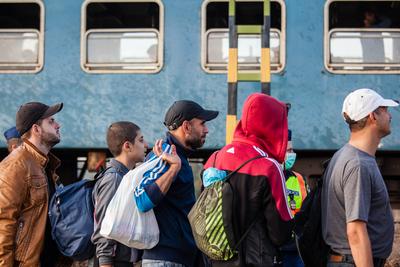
<point>211,219</point>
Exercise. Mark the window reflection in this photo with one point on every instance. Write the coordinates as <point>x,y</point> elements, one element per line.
<point>249,49</point>
<point>369,47</point>
<point>19,47</point>
<point>117,47</point>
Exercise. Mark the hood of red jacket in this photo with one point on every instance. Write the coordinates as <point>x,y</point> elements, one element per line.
<point>264,124</point>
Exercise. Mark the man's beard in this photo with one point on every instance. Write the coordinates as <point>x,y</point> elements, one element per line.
<point>194,142</point>
<point>49,140</point>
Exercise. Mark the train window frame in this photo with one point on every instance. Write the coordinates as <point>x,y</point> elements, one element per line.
<point>277,68</point>
<point>32,68</point>
<point>132,68</point>
<point>358,68</point>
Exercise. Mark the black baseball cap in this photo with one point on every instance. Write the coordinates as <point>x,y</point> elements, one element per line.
<point>29,113</point>
<point>185,110</point>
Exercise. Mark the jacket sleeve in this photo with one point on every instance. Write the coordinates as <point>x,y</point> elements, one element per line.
<point>277,212</point>
<point>13,189</point>
<point>148,194</point>
<point>103,192</point>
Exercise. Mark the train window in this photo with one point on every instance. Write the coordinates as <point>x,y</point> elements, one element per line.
<point>362,36</point>
<point>215,35</point>
<point>21,36</point>
<point>122,36</point>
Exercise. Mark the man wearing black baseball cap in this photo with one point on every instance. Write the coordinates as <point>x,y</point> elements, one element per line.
<point>26,175</point>
<point>192,117</point>
<point>168,189</point>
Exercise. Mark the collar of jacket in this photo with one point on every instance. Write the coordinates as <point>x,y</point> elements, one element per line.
<point>50,160</point>
<point>119,167</point>
<point>180,149</point>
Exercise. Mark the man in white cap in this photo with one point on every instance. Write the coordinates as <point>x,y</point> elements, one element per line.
<point>357,221</point>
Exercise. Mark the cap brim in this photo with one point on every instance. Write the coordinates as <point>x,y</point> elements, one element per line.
<point>52,110</point>
<point>388,103</point>
<point>208,115</point>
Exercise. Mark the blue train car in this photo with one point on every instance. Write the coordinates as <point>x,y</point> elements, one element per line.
<point>110,60</point>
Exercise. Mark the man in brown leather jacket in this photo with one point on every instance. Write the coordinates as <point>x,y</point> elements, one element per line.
<point>26,175</point>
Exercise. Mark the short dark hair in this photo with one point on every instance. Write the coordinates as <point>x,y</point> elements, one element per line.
<point>118,133</point>
<point>28,133</point>
<point>355,126</point>
<point>360,124</point>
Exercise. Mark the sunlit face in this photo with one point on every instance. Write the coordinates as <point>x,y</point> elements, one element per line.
<point>138,148</point>
<point>383,119</point>
<point>197,132</point>
<point>49,132</point>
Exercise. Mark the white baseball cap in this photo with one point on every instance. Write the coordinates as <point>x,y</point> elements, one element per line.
<point>361,102</point>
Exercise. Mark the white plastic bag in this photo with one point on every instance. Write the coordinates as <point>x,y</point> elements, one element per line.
<point>123,221</point>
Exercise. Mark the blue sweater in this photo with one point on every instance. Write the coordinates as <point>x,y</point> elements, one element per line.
<point>176,240</point>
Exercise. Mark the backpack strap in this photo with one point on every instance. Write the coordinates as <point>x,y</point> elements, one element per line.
<point>325,165</point>
<point>247,231</point>
<point>215,158</point>
<point>258,213</point>
<point>101,173</point>
<point>242,165</point>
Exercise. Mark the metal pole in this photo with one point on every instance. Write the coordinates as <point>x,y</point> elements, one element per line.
<point>265,50</point>
<point>231,117</point>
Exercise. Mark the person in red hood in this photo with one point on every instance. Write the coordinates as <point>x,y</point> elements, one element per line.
<point>259,187</point>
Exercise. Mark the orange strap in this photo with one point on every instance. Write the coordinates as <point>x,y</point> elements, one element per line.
<point>302,185</point>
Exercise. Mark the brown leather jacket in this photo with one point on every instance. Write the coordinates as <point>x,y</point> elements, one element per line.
<point>24,198</point>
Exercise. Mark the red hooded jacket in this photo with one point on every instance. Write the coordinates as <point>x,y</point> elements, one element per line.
<point>259,187</point>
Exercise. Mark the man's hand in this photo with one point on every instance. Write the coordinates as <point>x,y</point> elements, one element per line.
<point>157,148</point>
<point>173,159</point>
<point>165,181</point>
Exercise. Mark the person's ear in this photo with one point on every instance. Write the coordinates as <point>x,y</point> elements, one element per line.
<point>372,116</point>
<point>186,126</point>
<point>126,146</point>
<point>36,129</point>
<point>14,146</point>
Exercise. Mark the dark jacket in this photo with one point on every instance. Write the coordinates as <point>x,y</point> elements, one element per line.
<point>109,251</point>
<point>176,239</point>
<point>259,187</point>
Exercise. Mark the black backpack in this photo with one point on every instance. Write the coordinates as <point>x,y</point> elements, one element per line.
<point>308,228</point>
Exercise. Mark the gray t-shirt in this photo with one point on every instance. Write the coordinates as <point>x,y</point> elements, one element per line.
<point>353,189</point>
